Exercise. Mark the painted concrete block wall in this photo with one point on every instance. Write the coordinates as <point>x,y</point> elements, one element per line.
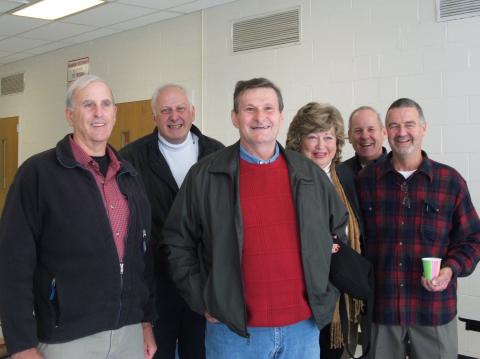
<point>134,63</point>
<point>359,52</point>
<point>353,52</point>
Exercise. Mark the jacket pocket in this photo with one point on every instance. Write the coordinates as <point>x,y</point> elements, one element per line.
<point>432,226</point>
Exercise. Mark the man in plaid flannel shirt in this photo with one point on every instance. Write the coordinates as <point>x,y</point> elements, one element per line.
<point>414,207</point>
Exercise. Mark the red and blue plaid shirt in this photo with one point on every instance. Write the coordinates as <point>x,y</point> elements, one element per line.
<point>428,215</point>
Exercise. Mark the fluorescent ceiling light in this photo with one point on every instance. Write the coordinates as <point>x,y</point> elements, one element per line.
<point>55,9</point>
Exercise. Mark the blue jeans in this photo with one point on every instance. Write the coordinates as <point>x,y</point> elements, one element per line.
<point>296,341</point>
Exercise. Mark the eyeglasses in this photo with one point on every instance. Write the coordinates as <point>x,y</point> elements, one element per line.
<point>406,197</point>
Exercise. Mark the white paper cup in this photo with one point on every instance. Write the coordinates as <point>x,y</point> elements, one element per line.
<point>431,267</point>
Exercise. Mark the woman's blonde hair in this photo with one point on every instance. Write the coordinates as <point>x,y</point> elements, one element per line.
<point>316,117</point>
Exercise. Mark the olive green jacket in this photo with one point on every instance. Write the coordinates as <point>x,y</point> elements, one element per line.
<point>203,236</point>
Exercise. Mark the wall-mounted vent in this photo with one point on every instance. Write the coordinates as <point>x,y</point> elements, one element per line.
<point>12,84</point>
<point>457,9</point>
<point>271,30</point>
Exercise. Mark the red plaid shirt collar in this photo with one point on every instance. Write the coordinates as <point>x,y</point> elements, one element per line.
<point>425,167</point>
<point>86,161</point>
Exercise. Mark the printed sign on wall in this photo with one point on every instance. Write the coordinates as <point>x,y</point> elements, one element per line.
<point>77,68</point>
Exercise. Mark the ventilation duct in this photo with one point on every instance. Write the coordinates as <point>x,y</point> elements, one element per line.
<point>12,84</point>
<point>457,9</point>
<point>271,30</point>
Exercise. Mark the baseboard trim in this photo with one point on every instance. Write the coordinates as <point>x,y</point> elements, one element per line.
<point>465,357</point>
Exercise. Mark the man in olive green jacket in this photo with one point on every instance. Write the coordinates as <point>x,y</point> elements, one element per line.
<point>208,237</point>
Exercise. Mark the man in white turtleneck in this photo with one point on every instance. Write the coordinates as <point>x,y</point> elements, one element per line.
<point>163,158</point>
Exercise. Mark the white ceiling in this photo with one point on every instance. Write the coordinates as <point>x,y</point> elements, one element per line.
<point>22,37</point>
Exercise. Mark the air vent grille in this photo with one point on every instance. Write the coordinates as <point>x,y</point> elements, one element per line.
<point>457,9</point>
<point>12,84</point>
<point>271,30</point>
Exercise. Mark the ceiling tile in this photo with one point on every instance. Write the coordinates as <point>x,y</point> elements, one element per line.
<point>4,53</point>
<point>56,31</point>
<point>17,44</point>
<point>145,20</point>
<point>14,57</point>
<point>12,25</point>
<point>108,14</point>
<point>7,6</point>
<point>199,5</point>
<point>155,4</point>
<point>46,48</point>
<point>90,35</point>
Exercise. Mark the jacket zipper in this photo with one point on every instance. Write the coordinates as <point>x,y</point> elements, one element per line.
<point>121,292</point>
<point>53,297</point>
<point>122,266</point>
<point>144,240</point>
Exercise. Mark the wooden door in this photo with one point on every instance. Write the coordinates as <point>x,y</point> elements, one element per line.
<point>134,120</point>
<point>8,155</point>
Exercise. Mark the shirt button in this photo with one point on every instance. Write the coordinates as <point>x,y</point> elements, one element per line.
<point>401,243</point>
<point>117,234</point>
<point>112,206</point>
<point>400,264</point>
<point>401,285</point>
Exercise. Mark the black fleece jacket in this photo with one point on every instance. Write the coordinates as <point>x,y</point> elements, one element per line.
<point>59,269</point>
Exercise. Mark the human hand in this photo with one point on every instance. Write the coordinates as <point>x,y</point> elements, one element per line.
<point>335,247</point>
<point>440,282</point>
<point>31,353</point>
<point>149,345</point>
<point>210,318</point>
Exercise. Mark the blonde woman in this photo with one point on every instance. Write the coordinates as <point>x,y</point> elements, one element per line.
<point>317,131</point>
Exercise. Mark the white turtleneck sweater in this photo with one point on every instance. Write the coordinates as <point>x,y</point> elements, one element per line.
<point>180,157</point>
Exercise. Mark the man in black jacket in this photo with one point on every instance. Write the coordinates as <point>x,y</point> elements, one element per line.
<point>164,158</point>
<point>366,133</point>
<point>74,245</point>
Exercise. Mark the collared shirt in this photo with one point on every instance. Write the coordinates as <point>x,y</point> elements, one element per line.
<point>430,214</point>
<point>244,155</point>
<point>116,204</point>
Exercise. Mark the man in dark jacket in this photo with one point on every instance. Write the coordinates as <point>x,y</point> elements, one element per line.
<point>249,238</point>
<point>74,245</point>
<point>164,158</point>
<point>366,133</point>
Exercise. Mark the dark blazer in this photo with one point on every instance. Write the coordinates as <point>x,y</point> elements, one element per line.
<point>144,154</point>
<point>354,162</point>
<point>347,179</point>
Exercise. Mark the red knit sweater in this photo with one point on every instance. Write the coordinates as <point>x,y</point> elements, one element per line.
<point>272,270</point>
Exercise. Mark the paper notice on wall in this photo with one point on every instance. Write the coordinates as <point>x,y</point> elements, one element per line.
<point>77,68</point>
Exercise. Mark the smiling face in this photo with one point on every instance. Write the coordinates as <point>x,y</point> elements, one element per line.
<point>174,115</point>
<point>366,134</point>
<point>92,117</point>
<point>405,131</point>
<point>258,121</point>
<point>320,147</point>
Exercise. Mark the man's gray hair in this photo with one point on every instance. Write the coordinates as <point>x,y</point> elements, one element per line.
<point>361,108</point>
<point>79,84</point>
<point>160,89</point>
<point>407,102</point>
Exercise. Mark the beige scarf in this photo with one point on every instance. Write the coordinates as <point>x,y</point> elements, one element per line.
<point>354,306</point>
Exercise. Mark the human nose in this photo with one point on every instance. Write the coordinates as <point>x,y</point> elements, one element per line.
<point>402,130</point>
<point>98,111</point>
